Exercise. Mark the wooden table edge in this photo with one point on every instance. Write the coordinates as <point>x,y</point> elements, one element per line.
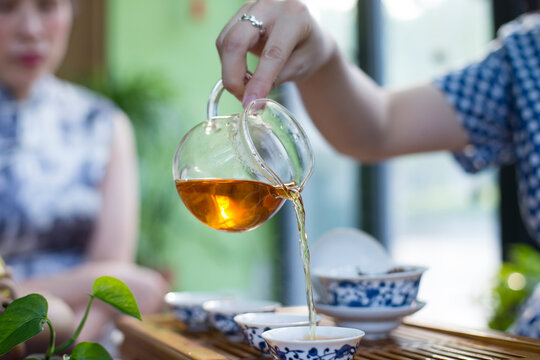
<point>164,340</point>
<point>485,335</point>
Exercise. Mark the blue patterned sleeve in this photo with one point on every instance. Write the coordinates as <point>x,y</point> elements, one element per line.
<point>480,95</point>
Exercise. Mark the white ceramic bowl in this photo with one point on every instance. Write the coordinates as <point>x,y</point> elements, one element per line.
<point>221,313</point>
<point>343,287</point>
<point>187,307</point>
<point>376,322</point>
<point>254,324</point>
<point>333,343</point>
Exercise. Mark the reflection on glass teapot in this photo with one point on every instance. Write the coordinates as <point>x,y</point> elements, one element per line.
<point>234,172</point>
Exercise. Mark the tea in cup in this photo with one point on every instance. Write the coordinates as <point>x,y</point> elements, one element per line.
<point>330,342</point>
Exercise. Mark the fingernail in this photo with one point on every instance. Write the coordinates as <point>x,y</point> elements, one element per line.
<point>248,99</point>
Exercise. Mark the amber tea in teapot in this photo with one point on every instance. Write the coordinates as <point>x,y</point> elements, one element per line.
<point>230,205</point>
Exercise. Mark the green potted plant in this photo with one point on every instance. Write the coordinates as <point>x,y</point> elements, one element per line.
<point>514,283</point>
<point>26,317</point>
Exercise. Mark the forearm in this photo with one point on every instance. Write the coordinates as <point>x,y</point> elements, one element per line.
<point>74,285</point>
<point>369,123</point>
<point>348,108</point>
<point>358,118</point>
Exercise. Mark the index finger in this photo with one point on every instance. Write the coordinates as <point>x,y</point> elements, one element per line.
<point>287,33</point>
<point>232,45</point>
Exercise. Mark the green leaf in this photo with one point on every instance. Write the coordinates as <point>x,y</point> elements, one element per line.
<point>115,293</point>
<point>507,301</point>
<point>22,319</point>
<point>90,351</point>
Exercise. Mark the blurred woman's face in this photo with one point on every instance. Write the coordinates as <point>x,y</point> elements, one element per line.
<point>33,40</point>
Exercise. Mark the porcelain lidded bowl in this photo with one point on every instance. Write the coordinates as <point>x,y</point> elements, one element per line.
<point>254,324</point>
<point>346,287</point>
<point>332,342</point>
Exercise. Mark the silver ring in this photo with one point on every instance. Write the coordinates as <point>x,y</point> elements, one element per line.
<point>253,20</point>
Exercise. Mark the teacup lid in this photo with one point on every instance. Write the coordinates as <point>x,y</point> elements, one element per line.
<point>351,250</point>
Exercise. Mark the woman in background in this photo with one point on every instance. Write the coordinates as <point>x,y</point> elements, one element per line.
<point>487,113</point>
<point>68,172</point>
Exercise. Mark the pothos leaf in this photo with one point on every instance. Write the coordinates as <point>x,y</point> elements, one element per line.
<point>115,293</point>
<point>22,319</point>
<point>90,351</point>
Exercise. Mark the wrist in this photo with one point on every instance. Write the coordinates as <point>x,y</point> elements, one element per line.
<point>329,61</point>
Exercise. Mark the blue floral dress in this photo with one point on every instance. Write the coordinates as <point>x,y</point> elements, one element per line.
<point>54,150</point>
<point>497,101</point>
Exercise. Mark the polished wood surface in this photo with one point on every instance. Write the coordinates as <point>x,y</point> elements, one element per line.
<point>162,337</point>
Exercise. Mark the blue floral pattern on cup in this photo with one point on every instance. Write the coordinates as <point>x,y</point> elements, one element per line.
<point>252,334</point>
<point>193,316</point>
<point>225,323</point>
<point>345,352</point>
<point>373,293</point>
<point>187,307</point>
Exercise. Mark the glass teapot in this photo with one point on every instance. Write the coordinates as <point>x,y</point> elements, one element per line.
<point>233,172</point>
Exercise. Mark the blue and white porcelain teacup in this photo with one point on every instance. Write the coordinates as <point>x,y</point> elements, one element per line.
<point>254,324</point>
<point>345,287</point>
<point>330,343</point>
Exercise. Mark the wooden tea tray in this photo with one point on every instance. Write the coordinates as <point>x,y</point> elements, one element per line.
<point>161,337</point>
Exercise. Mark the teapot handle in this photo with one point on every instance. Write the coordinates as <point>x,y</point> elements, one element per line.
<point>215,95</point>
<point>213,99</point>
